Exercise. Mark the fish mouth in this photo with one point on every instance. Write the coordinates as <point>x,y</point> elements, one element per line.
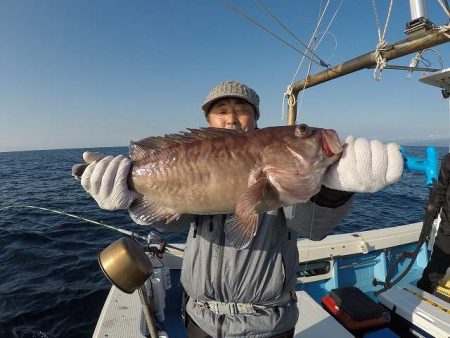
<point>330,146</point>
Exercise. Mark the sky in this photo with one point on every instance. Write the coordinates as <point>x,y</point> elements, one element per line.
<point>93,73</point>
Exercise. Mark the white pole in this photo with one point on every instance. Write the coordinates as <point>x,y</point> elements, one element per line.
<point>418,9</point>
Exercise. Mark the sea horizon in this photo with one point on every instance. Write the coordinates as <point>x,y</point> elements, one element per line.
<point>51,149</point>
<point>440,143</point>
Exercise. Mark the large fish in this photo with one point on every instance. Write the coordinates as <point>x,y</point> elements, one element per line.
<point>222,171</point>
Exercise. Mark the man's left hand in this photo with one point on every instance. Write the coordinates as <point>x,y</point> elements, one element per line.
<point>365,166</point>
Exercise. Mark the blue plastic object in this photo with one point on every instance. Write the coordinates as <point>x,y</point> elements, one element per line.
<point>383,333</point>
<point>429,165</point>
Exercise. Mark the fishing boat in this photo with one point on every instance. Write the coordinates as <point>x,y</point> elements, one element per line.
<point>359,284</point>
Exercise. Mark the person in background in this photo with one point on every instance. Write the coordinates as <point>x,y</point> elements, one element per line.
<point>250,292</point>
<point>440,258</point>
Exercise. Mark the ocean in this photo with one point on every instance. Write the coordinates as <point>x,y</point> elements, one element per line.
<point>51,284</point>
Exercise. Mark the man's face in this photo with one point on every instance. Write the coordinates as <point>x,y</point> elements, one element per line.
<point>232,113</point>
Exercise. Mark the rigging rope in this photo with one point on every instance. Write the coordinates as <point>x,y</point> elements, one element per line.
<point>316,46</point>
<point>438,54</point>
<point>299,105</point>
<point>444,6</point>
<point>321,15</point>
<point>335,42</point>
<point>227,4</point>
<point>291,98</point>
<point>444,29</point>
<point>329,25</point>
<point>381,46</point>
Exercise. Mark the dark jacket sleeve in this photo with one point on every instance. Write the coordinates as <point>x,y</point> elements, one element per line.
<point>439,194</point>
<point>331,198</point>
<point>317,218</point>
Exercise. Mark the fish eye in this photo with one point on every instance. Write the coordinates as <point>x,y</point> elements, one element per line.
<point>302,130</point>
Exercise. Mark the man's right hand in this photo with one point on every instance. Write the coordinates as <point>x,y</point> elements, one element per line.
<point>105,179</point>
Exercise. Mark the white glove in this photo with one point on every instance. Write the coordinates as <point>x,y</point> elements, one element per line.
<point>365,166</point>
<point>105,179</point>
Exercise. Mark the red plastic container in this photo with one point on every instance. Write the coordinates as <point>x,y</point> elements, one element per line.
<point>347,321</point>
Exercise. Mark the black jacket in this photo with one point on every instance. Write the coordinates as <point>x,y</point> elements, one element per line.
<point>441,198</point>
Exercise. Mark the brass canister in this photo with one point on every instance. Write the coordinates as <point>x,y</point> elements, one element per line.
<point>125,264</point>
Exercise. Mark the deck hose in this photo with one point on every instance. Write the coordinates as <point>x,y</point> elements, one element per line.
<point>431,213</point>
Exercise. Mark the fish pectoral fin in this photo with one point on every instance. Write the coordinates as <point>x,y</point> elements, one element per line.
<point>241,228</point>
<point>240,231</point>
<point>294,187</point>
<point>144,212</point>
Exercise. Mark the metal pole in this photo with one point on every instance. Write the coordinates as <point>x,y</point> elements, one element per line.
<point>418,9</point>
<point>404,47</point>
<point>148,312</point>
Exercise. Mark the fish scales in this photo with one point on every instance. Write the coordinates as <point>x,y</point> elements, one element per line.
<point>187,175</point>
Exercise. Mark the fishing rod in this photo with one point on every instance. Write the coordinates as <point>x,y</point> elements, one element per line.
<point>149,238</point>
<point>429,167</point>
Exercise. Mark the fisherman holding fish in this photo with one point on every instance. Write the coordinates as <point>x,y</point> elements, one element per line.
<point>245,193</point>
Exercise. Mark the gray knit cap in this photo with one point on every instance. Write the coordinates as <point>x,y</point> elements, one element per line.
<point>231,89</point>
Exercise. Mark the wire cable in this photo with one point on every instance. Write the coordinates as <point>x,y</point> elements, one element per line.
<point>329,25</point>
<point>437,53</point>
<point>227,4</point>
<point>291,98</point>
<point>444,6</point>
<point>321,15</point>
<point>290,32</point>
<point>335,43</point>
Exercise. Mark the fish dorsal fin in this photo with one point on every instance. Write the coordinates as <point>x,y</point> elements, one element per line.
<point>140,149</point>
<point>208,133</point>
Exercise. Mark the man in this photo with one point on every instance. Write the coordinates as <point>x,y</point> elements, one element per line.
<point>440,259</point>
<point>251,292</point>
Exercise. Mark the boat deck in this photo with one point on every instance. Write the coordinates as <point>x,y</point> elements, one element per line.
<point>314,321</point>
<point>338,261</point>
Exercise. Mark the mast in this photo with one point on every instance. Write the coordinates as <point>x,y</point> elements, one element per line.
<point>421,35</point>
<point>418,9</point>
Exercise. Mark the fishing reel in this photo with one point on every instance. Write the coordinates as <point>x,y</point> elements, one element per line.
<point>155,244</point>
